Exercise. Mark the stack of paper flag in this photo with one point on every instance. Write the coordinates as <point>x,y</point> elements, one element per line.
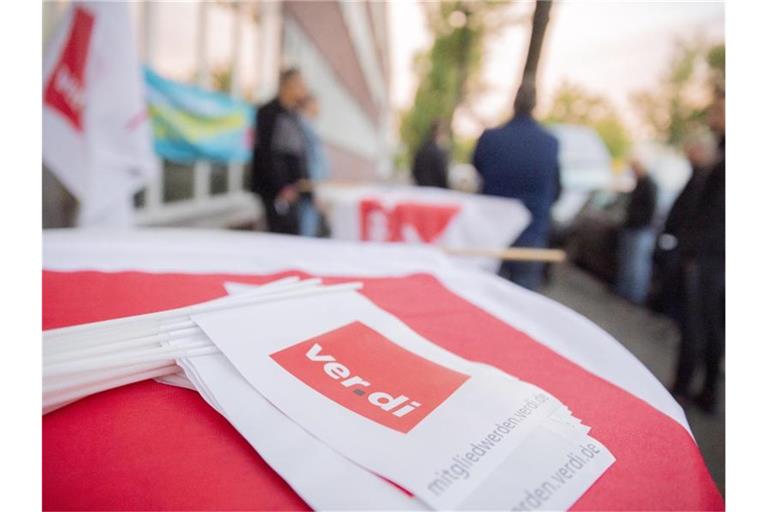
<point>349,405</point>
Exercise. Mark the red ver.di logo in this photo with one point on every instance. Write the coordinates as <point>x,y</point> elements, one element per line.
<point>65,89</point>
<point>406,221</point>
<point>360,369</point>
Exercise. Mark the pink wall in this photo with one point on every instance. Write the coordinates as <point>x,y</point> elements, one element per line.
<point>346,165</point>
<point>324,24</point>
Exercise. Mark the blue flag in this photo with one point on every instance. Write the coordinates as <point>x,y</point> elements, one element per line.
<point>190,123</point>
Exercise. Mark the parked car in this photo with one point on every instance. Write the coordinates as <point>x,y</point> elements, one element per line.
<point>585,166</point>
<point>592,238</point>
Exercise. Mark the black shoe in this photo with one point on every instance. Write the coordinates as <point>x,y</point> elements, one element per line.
<point>680,395</point>
<point>707,403</point>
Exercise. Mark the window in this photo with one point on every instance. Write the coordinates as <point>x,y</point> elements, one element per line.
<point>175,39</point>
<point>178,182</point>
<point>219,179</point>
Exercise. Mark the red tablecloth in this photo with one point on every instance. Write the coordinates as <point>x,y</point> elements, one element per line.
<point>151,446</point>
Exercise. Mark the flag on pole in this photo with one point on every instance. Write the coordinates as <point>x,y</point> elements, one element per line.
<point>96,135</point>
<point>424,215</point>
<point>190,123</point>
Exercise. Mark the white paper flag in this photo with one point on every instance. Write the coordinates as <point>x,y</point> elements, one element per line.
<point>398,405</point>
<point>96,135</point>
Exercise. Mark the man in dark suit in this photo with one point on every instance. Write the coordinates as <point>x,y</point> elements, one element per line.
<point>702,249</point>
<point>520,160</point>
<point>280,154</point>
<point>668,290</point>
<point>430,165</point>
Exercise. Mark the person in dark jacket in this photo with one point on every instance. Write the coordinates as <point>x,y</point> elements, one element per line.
<point>430,165</point>
<point>637,238</point>
<point>668,291</point>
<point>520,160</point>
<point>279,156</point>
<point>702,247</point>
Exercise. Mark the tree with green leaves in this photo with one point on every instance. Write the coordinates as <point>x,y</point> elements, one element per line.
<point>573,104</point>
<point>450,69</point>
<point>677,107</point>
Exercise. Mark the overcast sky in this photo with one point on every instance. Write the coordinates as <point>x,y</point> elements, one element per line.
<point>611,48</point>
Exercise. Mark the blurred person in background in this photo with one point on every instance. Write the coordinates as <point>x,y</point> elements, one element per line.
<point>637,237</point>
<point>317,167</point>
<point>667,294</point>
<point>702,253</point>
<point>280,154</point>
<point>430,165</point>
<point>519,160</point>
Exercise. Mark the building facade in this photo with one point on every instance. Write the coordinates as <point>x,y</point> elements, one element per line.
<point>239,47</point>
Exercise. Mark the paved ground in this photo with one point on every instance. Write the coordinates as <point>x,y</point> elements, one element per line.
<point>651,338</point>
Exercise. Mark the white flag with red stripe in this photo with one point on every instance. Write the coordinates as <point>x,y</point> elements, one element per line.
<point>96,136</point>
<point>424,215</point>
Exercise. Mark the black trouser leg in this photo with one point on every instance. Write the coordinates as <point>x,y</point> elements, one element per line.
<point>690,332</point>
<point>280,222</point>
<point>526,274</point>
<point>713,295</point>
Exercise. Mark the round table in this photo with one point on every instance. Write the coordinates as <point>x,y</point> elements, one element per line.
<point>150,446</point>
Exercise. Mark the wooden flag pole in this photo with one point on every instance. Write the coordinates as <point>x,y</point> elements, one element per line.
<point>511,254</point>
<point>305,185</point>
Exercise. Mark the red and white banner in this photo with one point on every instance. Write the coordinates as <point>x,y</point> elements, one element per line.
<point>423,215</point>
<point>96,136</point>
